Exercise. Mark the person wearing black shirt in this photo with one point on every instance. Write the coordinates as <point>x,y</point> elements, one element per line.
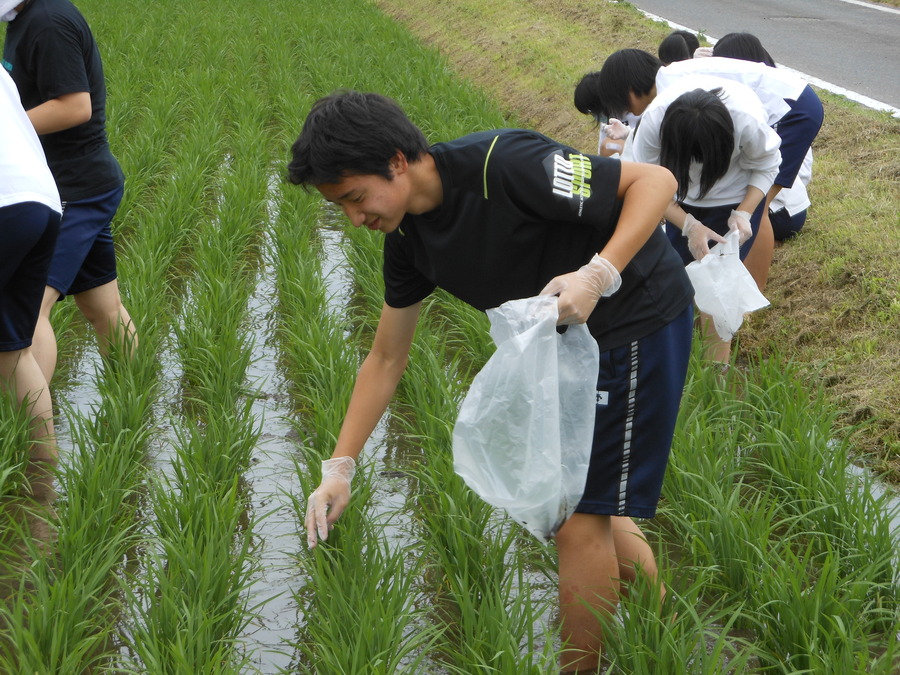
<point>52,57</point>
<point>506,214</point>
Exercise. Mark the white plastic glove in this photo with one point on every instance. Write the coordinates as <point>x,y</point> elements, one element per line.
<point>698,236</point>
<point>579,291</point>
<point>330,499</point>
<point>703,52</point>
<point>615,130</point>
<point>740,221</point>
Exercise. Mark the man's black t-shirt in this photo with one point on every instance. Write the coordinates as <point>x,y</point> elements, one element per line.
<point>50,51</point>
<point>519,209</point>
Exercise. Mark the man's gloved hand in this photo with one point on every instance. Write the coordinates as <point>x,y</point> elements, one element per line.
<point>330,499</point>
<point>579,291</point>
<point>740,221</point>
<point>698,236</point>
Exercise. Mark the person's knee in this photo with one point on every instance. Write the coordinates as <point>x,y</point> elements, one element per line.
<point>102,308</point>
<point>583,530</point>
<point>51,297</point>
<point>8,362</point>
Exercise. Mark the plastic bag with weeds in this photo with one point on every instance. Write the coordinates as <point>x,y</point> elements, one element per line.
<point>723,288</point>
<point>523,437</point>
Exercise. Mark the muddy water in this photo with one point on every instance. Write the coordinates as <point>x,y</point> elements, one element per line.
<point>271,478</point>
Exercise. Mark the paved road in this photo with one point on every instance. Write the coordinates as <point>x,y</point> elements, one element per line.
<point>851,44</point>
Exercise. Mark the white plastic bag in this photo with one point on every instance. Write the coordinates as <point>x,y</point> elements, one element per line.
<point>523,437</point>
<point>723,288</point>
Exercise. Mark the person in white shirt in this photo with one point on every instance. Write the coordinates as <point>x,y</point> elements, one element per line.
<point>614,139</point>
<point>713,135</point>
<point>631,78</point>
<point>787,205</point>
<point>30,211</point>
<point>794,109</point>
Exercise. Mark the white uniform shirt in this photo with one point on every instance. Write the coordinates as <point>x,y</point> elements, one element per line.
<point>24,175</point>
<point>755,158</point>
<point>795,198</point>
<point>771,85</point>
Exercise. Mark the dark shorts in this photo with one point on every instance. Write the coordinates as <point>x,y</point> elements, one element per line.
<point>638,396</point>
<point>784,225</point>
<point>85,257</point>
<point>797,130</point>
<point>28,232</point>
<point>716,219</point>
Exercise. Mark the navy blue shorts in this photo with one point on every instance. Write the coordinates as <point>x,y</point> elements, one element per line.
<point>85,257</point>
<point>716,219</point>
<point>638,396</point>
<point>28,231</point>
<point>784,225</point>
<point>797,130</point>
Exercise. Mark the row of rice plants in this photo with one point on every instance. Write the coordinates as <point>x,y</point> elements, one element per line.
<point>357,577</point>
<point>64,613</point>
<point>799,548</point>
<point>62,616</point>
<point>190,607</point>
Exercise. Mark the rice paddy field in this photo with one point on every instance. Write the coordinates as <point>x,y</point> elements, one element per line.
<point>175,544</point>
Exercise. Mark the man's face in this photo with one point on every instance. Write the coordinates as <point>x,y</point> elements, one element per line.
<point>370,200</point>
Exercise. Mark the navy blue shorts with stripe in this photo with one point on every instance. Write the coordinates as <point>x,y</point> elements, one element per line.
<point>85,257</point>
<point>28,231</point>
<point>638,395</point>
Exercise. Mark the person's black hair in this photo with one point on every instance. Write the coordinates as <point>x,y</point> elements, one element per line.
<point>744,46</point>
<point>604,93</point>
<point>352,133</point>
<point>586,96</point>
<point>696,127</point>
<point>679,45</point>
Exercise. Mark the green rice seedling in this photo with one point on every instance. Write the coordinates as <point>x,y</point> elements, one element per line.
<point>731,539</point>
<point>885,659</point>
<point>689,634</point>
<point>65,618</point>
<point>208,345</point>
<point>816,618</point>
<point>479,593</point>
<point>15,432</point>
<point>221,448</point>
<point>337,599</point>
<point>383,599</point>
<point>192,601</point>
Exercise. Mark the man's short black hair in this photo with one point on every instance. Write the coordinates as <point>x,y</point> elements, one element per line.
<point>352,133</point>
<point>604,93</point>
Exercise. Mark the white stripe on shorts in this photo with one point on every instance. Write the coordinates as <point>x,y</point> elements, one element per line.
<point>629,425</point>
